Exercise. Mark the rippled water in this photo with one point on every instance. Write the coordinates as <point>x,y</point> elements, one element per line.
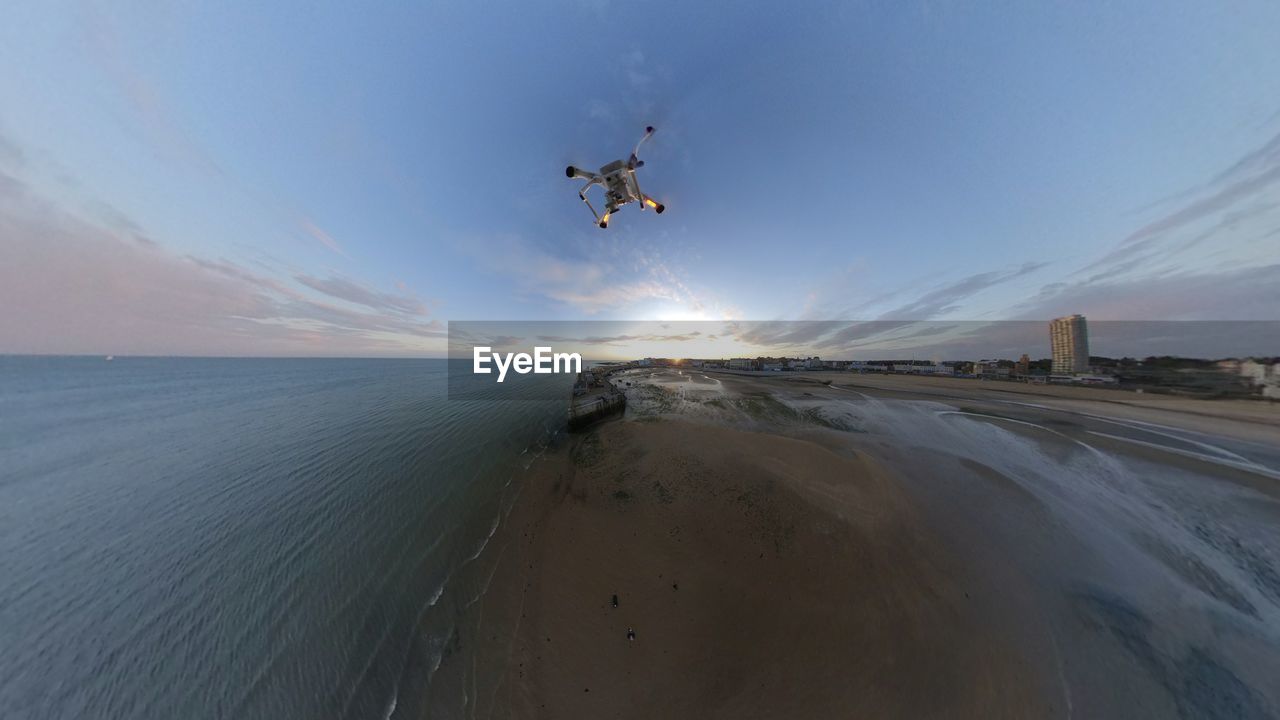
<point>241,538</point>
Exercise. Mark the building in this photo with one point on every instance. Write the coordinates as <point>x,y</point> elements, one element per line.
<point>1023,366</point>
<point>1254,371</point>
<point>1069,339</point>
<point>1262,375</point>
<point>990,369</point>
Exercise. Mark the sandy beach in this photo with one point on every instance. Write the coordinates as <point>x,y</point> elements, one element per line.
<point>885,547</point>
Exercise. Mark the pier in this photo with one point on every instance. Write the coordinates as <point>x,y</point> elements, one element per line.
<point>594,398</point>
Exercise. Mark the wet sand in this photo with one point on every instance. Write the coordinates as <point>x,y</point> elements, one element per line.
<point>1256,419</point>
<point>784,548</point>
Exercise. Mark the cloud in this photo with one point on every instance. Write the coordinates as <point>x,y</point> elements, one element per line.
<point>1208,257</point>
<point>848,338</point>
<point>632,101</point>
<point>1208,254</point>
<point>784,333</point>
<point>633,62</point>
<point>1243,294</point>
<point>974,340</point>
<point>11,156</point>
<point>622,339</point>
<point>593,285</point>
<point>71,285</point>
<point>1235,209</point>
<point>316,232</point>
<point>353,292</point>
<point>167,136</point>
<point>948,298</point>
<point>601,110</point>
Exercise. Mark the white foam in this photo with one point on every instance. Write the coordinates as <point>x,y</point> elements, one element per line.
<point>435,597</point>
<point>1242,464</point>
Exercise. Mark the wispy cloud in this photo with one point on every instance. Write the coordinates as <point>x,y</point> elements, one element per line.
<point>72,285</point>
<point>621,340</point>
<point>11,156</point>
<point>949,297</point>
<point>1209,256</point>
<point>319,234</point>
<point>165,133</point>
<point>596,284</point>
<point>631,101</point>
<point>353,292</point>
<point>1209,253</point>
<point>634,64</point>
<point>1241,294</point>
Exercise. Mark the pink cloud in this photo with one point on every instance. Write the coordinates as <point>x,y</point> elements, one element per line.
<point>72,286</point>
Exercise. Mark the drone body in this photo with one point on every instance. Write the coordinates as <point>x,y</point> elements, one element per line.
<point>618,179</point>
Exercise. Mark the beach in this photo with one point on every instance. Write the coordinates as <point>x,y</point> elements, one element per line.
<point>784,547</point>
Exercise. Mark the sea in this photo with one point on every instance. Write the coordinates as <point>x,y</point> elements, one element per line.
<point>245,538</point>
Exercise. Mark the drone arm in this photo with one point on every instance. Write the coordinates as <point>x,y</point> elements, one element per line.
<point>635,154</point>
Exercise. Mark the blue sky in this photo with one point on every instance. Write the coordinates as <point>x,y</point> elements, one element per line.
<point>277,178</point>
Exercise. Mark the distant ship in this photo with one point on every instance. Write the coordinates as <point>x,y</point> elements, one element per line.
<point>110,358</point>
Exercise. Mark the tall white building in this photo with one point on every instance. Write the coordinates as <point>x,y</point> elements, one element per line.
<point>1069,339</point>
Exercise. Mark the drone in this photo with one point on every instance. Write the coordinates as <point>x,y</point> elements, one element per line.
<point>618,179</point>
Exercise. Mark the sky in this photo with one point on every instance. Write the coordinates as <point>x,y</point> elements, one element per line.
<point>346,179</point>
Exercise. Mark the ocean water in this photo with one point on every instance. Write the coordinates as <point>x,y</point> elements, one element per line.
<point>243,538</point>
